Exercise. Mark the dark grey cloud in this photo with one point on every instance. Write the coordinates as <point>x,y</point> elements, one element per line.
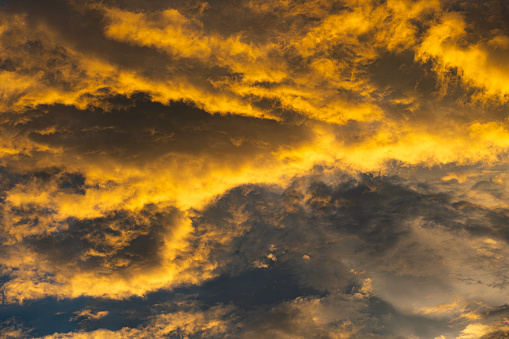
<point>312,218</point>
<point>83,29</point>
<point>138,242</point>
<point>137,130</point>
<point>284,253</point>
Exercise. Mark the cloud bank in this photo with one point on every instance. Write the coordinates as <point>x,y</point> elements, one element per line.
<point>254,169</point>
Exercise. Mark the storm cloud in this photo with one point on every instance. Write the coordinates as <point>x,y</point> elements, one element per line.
<point>254,169</point>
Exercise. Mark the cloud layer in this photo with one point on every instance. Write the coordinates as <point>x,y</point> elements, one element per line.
<point>254,169</point>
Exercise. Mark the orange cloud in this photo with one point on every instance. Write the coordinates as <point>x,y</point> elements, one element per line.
<point>478,64</point>
<point>208,324</point>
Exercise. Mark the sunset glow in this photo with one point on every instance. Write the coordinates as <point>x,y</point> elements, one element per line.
<point>254,169</point>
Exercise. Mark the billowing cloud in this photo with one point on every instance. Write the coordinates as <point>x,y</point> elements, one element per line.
<point>276,169</point>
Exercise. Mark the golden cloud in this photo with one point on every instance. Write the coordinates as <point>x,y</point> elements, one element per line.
<point>110,153</point>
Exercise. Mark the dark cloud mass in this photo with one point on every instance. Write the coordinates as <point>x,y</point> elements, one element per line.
<point>254,169</point>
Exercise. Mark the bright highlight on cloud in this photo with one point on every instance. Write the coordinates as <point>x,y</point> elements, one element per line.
<point>257,169</point>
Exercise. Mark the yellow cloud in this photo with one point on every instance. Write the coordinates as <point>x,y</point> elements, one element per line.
<point>446,44</point>
<point>175,34</point>
<point>210,323</point>
<point>457,310</point>
<point>89,314</point>
<point>313,91</point>
<point>80,80</point>
<point>34,276</point>
<point>477,330</point>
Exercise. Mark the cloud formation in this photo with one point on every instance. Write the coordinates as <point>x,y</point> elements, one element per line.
<point>282,169</point>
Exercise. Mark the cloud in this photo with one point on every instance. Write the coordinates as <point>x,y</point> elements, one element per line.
<point>423,243</point>
<point>12,329</point>
<point>87,314</point>
<point>363,237</point>
<point>192,322</point>
<point>477,63</point>
<point>288,168</point>
<point>309,317</point>
<point>116,256</point>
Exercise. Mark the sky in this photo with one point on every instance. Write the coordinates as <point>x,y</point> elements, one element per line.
<point>254,169</point>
